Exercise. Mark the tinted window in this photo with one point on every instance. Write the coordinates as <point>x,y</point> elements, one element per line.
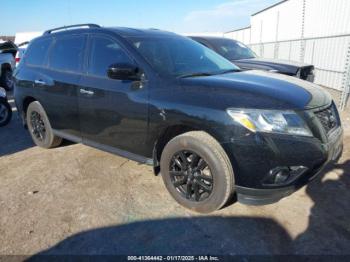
<point>232,50</point>
<point>67,53</point>
<point>178,56</point>
<point>105,52</point>
<point>37,51</point>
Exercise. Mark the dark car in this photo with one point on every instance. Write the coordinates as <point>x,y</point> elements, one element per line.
<point>210,129</point>
<point>242,56</point>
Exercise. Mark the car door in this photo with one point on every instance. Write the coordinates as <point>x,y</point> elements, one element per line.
<point>60,82</point>
<point>113,113</point>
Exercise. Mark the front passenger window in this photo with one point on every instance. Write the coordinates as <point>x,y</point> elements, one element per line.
<point>105,52</point>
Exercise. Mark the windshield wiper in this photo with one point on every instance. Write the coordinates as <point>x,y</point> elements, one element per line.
<point>209,74</point>
<point>195,75</point>
<point>228,71</point>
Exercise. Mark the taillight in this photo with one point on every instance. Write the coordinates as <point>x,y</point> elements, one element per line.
<point>18,59</point>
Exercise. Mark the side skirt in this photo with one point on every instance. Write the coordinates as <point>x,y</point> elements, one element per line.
<point>66,136</point>
<point>106,148</point>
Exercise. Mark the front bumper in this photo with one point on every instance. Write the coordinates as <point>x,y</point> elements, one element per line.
<point>254,162</point>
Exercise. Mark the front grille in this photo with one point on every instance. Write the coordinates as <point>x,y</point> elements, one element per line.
<point>307,73</point>
<point>328,118</point>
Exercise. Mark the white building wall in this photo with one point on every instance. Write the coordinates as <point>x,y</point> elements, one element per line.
<point>327,17</point>
<point>269,50</point>
<point>265,26</point>
<point>290,20</point>
<point>21,37</point>
<point>242,35</point>
<point>282,22</point>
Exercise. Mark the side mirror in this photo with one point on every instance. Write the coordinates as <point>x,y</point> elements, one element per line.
<point>123,72</point>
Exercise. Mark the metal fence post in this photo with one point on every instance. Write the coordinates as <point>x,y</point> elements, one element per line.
<point>346,82</point>
<point>277,44</point>
<point>276,50</point>
<point>261,43</point>
<point>303,41</point>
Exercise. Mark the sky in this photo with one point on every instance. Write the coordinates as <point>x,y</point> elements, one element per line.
<point>181,16</point>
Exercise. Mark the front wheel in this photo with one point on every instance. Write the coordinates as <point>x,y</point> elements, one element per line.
<point>40,128</point>
<point>197,172</point>
<point>5,113</point>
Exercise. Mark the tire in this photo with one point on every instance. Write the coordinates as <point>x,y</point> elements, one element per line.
<point>6,79</point>
<point>185,150</point>
<point>40,127</point>
<point>5,112</point>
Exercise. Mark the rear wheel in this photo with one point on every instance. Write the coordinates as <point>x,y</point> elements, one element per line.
<point>197,172</point>
<point>6,79</point>
<point>40,128</point>
<point>5,113</point>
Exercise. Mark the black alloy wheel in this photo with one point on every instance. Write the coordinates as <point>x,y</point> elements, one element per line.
<point>197,171</point>
<point>38,126</point>
<point>191,176</point>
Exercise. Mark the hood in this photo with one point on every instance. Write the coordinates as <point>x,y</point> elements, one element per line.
<point>258,89</point>
<point>282,66</point>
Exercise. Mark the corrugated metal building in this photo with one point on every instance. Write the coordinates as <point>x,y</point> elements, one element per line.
<point>310,31</point>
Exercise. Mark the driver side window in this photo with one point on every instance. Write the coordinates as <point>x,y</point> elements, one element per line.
<point>105,52</point>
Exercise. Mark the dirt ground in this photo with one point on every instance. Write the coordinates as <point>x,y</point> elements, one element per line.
<point>78,200</point>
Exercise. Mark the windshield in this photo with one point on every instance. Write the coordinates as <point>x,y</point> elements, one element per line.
<point>232,50</point>
<point>180,56</point>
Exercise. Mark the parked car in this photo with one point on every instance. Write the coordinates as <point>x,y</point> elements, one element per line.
<point>158,98</point>
<point>8,52</point>
<point>5,109</point>
<point>242,56</point>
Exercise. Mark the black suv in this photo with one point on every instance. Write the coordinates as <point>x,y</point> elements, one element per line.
<point>211,130</point>
<point>242,56</point>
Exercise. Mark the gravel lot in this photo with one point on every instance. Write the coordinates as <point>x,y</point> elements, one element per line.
<point>78,200</point>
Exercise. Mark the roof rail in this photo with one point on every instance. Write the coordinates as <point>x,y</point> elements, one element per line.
<point>71,26</point>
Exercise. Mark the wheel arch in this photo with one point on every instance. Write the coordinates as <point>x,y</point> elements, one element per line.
<point>172,131</point>
<point>169,133</point>
<point>26,102</point>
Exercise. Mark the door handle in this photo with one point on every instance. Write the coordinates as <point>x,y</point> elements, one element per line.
<point>86,92</point>
<point>40,82</point>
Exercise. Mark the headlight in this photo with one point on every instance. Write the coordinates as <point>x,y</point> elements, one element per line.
<point>270,121</point>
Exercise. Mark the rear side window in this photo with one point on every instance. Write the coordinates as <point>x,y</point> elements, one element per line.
<point>105,52</point>
<point>67,53</point>
<point>37,52</point>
